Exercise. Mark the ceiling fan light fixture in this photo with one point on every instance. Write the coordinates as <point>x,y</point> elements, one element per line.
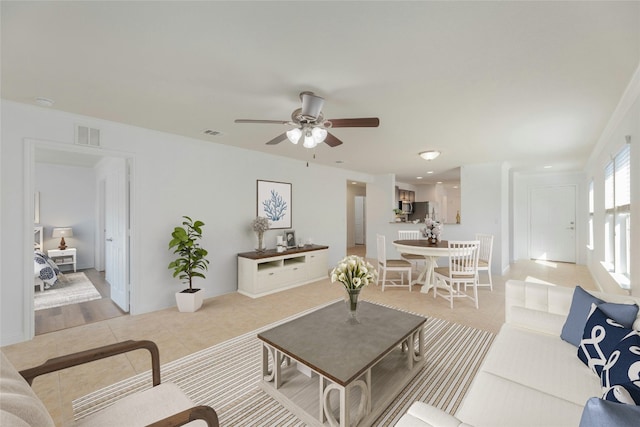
<point>319,134</point>
<point>309,140</point>
<point>311,105</point>
<point>430,155</point>
<point>294,135</point>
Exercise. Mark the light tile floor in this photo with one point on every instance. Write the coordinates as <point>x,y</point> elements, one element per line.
<point>226,316</point>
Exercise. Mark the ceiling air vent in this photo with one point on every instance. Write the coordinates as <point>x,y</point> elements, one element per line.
<point>212,132</point>
<point>87,136</point>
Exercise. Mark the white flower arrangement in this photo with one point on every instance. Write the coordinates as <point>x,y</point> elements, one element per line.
<point>432,229</point>
<point>354,272</point>
<point>260,224</point>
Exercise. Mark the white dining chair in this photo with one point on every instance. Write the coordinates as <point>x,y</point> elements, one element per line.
<point>394,265</point>
<point>462,271</point>
<point>411,235</point>
<point>484,257</point>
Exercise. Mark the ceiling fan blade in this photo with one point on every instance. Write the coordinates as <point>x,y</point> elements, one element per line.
<point>365,122</point>
<point>311,104</point>
<point>331,140</point>
<point>278,139</point>
<point>279,122</point>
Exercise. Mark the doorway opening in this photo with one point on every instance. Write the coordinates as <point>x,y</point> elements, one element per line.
<point>356,218</point>
<point>50,167</point>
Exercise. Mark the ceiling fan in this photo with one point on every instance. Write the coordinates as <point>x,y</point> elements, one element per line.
<point>310,125</point>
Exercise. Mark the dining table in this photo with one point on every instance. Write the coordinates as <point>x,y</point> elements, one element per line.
<point>430,251</point>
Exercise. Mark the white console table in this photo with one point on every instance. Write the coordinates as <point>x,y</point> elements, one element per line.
<point>263,273</point>
<point>63,257</point>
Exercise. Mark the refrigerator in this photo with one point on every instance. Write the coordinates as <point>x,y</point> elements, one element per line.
<point>420,211</point>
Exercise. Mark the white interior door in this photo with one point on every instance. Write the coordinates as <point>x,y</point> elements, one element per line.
<point>359,220</point>
<point>552,220</point>
<point>115,248</point>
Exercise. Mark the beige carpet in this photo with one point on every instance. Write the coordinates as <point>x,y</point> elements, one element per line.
<point>72,288</point>
<point>226,377</point>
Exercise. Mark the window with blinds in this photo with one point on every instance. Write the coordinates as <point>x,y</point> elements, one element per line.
<point>617,204</point>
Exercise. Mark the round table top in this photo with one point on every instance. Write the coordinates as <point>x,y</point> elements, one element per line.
<point>422,247</point>
<point>422,243</point>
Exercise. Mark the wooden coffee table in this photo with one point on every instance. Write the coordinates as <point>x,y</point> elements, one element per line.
<point>330,372</point>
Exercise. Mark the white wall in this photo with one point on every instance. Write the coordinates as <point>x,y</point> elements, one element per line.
<point>67,199</point>
<point>172,176</point>
<point>483,209</point>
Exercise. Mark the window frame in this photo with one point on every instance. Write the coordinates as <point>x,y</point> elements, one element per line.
<point>617,216</point>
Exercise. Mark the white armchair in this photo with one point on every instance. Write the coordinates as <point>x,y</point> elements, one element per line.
<point>162,405</point>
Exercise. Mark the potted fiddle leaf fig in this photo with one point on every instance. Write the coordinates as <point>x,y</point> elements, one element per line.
<point>191,262</point>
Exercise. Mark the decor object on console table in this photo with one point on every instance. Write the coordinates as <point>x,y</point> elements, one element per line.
<point>354,273</point>
<point>191,262</point>
<point>260,224</point>
<point>290,238</point>
<point>62,232</point>
<point>432,230</point>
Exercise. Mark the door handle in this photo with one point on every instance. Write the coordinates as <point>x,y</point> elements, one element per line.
<point>569,228</point>
<point>109,239</point>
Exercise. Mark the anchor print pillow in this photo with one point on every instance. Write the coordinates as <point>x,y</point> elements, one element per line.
<point>620,376</point>
<point>601,336</point>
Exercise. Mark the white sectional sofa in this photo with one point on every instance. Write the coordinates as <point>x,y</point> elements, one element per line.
<point>530,377</point>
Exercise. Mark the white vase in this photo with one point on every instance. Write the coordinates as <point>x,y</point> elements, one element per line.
<point>189,302</point>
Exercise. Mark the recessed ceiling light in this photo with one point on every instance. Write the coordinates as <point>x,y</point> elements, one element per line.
<point>430,172</point>
<point>429,155</point>
<point>354,183</point>
<point>455,186</point>
<point>45,102</point>
<point>439,182</point>
<point>548,166</point>
<point>418,177</point>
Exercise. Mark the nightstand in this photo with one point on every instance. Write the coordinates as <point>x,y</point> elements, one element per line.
<point>63,257</point>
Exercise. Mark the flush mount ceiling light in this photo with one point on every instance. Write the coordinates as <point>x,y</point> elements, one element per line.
<point>429,155</point>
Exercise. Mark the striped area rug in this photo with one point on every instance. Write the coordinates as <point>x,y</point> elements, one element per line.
<point>226,377</point>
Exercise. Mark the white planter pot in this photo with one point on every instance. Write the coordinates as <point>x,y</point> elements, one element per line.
<point>189,302</point>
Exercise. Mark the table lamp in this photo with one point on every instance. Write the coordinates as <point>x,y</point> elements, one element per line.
<point>62,232</point>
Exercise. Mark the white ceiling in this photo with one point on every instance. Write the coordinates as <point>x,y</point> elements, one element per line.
<point>529,83</point>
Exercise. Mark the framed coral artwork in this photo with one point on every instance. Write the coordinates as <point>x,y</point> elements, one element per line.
<point>274,203</point>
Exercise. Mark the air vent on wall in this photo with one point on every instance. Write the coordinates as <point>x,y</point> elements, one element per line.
<point>212,132</point>
<point>87,136</point>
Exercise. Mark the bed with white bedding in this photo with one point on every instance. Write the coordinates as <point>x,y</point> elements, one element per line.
<point>46,272</point>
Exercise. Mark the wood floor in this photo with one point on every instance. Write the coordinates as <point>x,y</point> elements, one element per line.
<point>69,316</point>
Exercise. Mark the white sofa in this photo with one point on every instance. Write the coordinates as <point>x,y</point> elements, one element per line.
<point>530,377</point>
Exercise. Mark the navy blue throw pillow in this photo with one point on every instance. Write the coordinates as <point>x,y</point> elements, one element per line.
<point>621,374</point>
<point>601,336</point>
<point>572,331</point>
<point>598,413</point>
